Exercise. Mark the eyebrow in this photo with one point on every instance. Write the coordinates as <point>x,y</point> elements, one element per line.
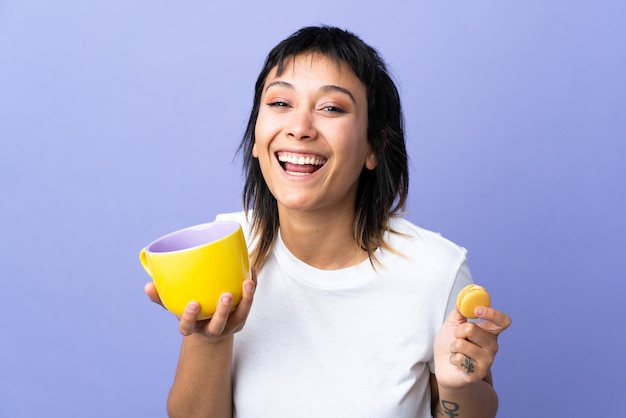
<point>327,89</point>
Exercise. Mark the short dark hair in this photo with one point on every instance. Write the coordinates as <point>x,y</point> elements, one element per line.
<point>381,192</point>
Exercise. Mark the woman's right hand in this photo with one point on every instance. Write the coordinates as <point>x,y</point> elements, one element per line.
<point>224,323</point>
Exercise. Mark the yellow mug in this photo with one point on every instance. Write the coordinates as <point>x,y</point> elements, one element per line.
<point>198,263</point>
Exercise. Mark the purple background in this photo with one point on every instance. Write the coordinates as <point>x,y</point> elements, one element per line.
<point>119,122</point>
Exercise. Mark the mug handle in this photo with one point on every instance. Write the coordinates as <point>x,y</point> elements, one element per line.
<point>144,261</point>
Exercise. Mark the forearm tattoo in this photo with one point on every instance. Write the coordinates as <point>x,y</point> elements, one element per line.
<point>448,409</point>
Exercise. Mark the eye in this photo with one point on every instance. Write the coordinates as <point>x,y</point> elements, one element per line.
<point>277,103</point>
<point>332,109</point>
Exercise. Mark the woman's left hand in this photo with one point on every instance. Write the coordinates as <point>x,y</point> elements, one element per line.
<point>465,351</point>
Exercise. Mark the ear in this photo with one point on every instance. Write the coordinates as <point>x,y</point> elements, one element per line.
<point>371,161</point>
<point>255,152</point>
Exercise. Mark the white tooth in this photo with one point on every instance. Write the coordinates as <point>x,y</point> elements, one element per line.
<point>300,160</point>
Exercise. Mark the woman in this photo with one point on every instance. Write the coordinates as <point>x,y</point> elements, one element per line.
<point>354,310</point>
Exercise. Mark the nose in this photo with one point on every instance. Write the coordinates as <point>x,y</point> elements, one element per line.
<point>301,125</point>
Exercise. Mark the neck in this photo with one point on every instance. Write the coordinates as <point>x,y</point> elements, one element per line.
<point>322,240</point>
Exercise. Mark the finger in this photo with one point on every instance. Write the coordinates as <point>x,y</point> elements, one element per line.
<point>152,293</point>
<point>483,355</point>
<point>219,319</point>
<point>187,324</point>
<point>455,317</point>
<point>243,308</point>
<point>493,320</point>
<point>472,369</point>
<point>474,334</point>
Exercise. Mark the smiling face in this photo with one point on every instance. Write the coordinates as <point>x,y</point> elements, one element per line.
<point>311,134</point>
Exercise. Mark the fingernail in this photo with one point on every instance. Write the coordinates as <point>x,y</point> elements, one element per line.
<point>480,311</point>
<point>192,307</point>
<point>249,287</point>
<point>226,299</point>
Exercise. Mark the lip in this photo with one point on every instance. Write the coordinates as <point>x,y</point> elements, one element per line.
<point>305,153</point>
<point>299,158</point>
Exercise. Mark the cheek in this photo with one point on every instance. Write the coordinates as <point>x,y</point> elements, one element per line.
<point>260,132</point>
<point>260,149</point>
<point>259,140</point>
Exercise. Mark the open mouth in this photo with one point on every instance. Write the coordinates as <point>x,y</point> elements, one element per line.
<point>300,164</point>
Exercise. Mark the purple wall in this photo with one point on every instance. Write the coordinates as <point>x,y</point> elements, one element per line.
<point>119,122</point>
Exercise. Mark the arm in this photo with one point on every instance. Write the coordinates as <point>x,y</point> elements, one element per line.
<point>464,352</point>
<point>453,404</point>
<point>203,383</point>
